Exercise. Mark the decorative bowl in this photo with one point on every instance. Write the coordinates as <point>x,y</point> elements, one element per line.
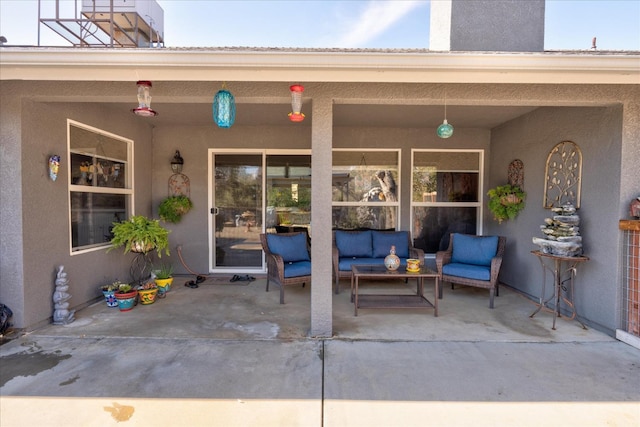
<point>413,264</point>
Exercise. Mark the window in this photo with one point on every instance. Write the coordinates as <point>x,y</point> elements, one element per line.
<point>288,191</point>
<point>366,189</point>
<point>445,196</point>
<point>100,184</point>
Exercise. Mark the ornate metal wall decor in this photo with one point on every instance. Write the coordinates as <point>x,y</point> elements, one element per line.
<point>563,174</point>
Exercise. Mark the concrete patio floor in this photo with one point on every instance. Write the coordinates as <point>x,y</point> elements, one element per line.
<point>228,354</point>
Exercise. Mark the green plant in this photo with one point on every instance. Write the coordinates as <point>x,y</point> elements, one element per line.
<point>164,272</point>
<point>506,202</point>
<point>140,234</point>
<point>147,285</point>
<point>124,288</point>
<point>172,208</point>
<point>111,287</point>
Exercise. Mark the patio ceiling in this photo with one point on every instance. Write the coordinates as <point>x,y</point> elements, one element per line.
<point>404,116</point>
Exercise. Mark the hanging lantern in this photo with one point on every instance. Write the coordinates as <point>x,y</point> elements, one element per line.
<point>177,162</point>
<point>296,103</point>
<point>445,130</point>
<point>224,108</point>
<point>144,100</point>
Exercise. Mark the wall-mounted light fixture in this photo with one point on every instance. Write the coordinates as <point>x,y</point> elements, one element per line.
<point>296,103</point>
<point>224,108</point>
<point>445,130</point>
<point>177,162</point>
<point>144,100</point>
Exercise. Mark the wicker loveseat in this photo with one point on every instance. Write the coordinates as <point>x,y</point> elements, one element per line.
<point>472,261</point>
<point>367,247</point>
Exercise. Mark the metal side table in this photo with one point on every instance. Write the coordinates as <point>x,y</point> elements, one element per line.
<point>555,266</point>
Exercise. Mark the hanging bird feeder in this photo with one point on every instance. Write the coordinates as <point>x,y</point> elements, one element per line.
<point>296,103</point>
<point>224,108</point>
<point>144,100</point>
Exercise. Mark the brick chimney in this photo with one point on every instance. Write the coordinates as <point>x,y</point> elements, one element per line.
<point>487,25</point>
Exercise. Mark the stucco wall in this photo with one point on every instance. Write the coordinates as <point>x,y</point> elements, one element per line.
<point>597,131</point>
<point>11,248</point>
<point>194,142</point>
<point>45,215</point>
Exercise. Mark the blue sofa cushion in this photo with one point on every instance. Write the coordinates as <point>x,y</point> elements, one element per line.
<point>477,272</point>
<point>475,250</point>
<point>352,244</point>
<point>297,269</point>
<point>382,243</point>
<point>290,248</point>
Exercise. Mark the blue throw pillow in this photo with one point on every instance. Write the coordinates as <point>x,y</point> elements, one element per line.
<point>290,248</point>
<point>353,244</point>
<point>382,242</point>
<point>476,250</point>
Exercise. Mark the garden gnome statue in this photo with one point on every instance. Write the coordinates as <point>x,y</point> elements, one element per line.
<point>61,313</point>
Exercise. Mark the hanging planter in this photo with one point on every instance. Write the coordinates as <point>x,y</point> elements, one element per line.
<point>172,208</point>
<point>506,202</point>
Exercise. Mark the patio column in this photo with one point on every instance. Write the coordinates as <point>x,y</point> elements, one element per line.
<point>321,160</point>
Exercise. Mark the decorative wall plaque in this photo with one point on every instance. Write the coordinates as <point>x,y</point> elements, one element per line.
<point>563,173</point>
<point>515,173</point>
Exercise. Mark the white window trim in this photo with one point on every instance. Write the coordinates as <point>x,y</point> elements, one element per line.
<point>477,204</point>
<point>129,174</point>
<point>398,180</point>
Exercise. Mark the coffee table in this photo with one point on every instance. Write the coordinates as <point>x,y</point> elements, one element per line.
<point>392,301</point>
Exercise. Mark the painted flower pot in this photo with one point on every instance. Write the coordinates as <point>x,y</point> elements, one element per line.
<point>147,296</point>
<point>110,298</point>
<point>164,285</point>
<point>127,301</point>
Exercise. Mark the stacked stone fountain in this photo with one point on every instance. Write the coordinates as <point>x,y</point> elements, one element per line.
<point>561,233</point>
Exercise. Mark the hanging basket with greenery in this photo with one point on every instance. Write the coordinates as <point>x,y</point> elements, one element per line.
<point>506,202</point>
<point>172,208</point>
<point>140,234</point>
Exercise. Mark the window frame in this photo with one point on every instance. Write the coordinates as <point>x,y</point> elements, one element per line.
<point>461,204</point>
<point>127,191</point>
<point>397,179</point>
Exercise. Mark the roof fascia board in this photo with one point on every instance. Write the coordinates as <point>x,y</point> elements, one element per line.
<point>207,65</point>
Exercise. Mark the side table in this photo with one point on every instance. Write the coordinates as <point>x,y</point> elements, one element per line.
<point>556,268</point>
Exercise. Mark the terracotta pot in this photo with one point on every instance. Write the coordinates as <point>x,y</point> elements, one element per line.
<point>127,301</point>
<point>147,296</point>
<point>164,285</point>
<point>110,298</point>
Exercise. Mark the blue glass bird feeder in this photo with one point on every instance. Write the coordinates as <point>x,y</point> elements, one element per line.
<point>224,109</point>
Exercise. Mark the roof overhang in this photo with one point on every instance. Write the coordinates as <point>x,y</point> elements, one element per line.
<point>275,65</point>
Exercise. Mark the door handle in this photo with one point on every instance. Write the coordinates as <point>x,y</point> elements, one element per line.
<point>215,211</point>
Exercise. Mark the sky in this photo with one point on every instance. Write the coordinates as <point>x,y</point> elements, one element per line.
<point>569,24</point>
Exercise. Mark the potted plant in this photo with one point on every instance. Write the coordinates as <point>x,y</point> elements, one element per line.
<point>140,234</point>
<point>506,201</point>
<point>164,278</point>
<point>109,292</point>
<point>147,292</point>
<point>172,208</point>
<point>126,296</point>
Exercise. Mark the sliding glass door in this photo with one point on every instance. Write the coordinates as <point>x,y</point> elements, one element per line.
<point>246,201</point>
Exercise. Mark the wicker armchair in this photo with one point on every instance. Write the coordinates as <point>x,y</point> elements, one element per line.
<point>288,261</point>
<point>475,262</point>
